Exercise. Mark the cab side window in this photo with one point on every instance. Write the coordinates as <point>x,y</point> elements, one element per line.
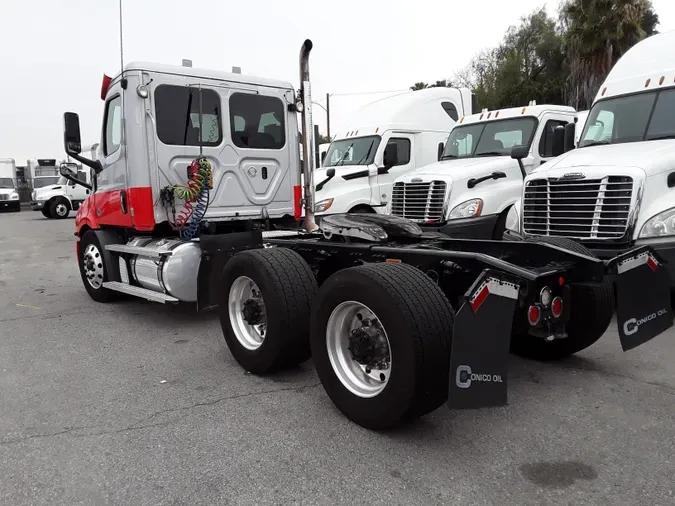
<point>403,146</point>
<point>113,126</point>
<point>546,141</point>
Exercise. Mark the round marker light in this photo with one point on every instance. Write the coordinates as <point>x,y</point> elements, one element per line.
<point>533,315</point>
<point>545,296</point>
<point>142,91</point>
<point>557,307</point>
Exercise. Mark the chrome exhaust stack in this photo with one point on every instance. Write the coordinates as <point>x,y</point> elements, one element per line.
<point>307,138</point>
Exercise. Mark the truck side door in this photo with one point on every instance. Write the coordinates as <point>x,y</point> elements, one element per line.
<point>404,144</point>
<point>110,199</point>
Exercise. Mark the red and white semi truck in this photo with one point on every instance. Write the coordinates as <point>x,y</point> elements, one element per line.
<point>198,198</point>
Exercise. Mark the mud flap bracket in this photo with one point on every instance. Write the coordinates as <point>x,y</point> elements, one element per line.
<point>480,344</point>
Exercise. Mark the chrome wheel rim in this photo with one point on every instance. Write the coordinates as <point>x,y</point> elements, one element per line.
<point>61,209</point>
<point>344,323</point>
<point>247,312</point>
<point>92,265</point>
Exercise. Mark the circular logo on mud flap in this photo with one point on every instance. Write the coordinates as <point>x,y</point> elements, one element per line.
<point>252,171</point>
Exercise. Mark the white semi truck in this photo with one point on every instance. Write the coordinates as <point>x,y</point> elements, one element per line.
<point>197,193</point>
<point>382,141</point>
<point>57,199</point>
<point>468,192</point>
<point>9,197</point>
<point>616,190</point>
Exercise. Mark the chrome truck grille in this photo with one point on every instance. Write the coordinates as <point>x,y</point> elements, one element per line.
<point>418,201</point>
<point>4,197</point>
<point>582,209</point>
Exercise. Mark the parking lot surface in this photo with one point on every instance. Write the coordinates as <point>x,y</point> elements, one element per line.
<point>136,403</point>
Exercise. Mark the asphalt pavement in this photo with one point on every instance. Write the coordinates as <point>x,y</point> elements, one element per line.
<point>138,403</point>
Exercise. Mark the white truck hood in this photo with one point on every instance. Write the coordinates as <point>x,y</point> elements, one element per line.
<point>653,157</point>
<point>47,189</point>
<point>455,170</point>
<point>7,191</point>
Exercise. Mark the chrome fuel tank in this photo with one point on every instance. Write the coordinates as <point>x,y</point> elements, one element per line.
<point>174,274</point>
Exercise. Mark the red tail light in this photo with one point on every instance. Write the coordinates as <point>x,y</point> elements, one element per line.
<point>557,307</point>
<point>105,85</point>
<point>297,206</point>
<point>533,315</point>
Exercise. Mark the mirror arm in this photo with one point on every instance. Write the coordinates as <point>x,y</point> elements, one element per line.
<point>522,168</point>
<point>74,180</point>
<point>93,164</point>
<point>320,185</point>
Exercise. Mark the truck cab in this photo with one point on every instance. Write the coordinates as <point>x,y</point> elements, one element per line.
<point>9,197</point>
<point>469,190</point>
<point>384,140</point>
<point>616,190</point>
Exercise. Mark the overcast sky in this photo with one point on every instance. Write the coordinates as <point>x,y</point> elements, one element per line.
<point>56,51</point>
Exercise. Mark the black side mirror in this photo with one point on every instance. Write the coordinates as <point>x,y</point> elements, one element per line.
<point>390,157</point>
<point>558,147</point>
<point>69,171</point>
<point>330,172</point>
<point>71,133</point>
<point>439,154</point>
<point>569,133</point>
<point>323,156</point>
<point>518,153</point>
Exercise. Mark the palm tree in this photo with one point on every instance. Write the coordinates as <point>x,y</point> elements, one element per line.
<point>598,32</point>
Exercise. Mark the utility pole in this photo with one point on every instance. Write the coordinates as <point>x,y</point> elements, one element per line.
<point>328,116</point>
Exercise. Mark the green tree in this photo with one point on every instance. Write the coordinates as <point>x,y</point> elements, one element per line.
<point>443,83</point>
<point>529,64</point>
<point>597,34</point>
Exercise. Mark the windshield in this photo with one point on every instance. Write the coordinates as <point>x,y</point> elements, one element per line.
<point>490,138</point>
<point>640,117</point>
<point>45,181</point>
<point>6,182</point>
<point>356,151</point>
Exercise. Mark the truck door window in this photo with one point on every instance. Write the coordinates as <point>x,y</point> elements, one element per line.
<point>113,125</point>
<point>257,121</point>
<point>177,111</point>
<point>403,146</point>
<point>546,141</point>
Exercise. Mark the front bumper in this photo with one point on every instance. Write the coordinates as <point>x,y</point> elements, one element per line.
<point>36,205</point>
<point>481,227</point>
<point>10,204</point>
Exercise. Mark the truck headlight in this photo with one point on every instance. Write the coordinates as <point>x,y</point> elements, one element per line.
<point>513,220</point>
<point>467,209</point>
<point>32,195</point>
<point>659,225</point>
<point>14,196</point>
<point>323,206</point>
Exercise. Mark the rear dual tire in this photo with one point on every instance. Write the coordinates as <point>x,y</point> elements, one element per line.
<point>414,314</point>
<point>591,312</point>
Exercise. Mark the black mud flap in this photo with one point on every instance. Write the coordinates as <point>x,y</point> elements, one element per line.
<point>643,308</point>
<point>480,343</point>
<point>216,251</point>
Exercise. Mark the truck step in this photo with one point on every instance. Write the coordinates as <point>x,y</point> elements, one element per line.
<point>137,291</point>
<point>275,234</point>
<point>138,250</point>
